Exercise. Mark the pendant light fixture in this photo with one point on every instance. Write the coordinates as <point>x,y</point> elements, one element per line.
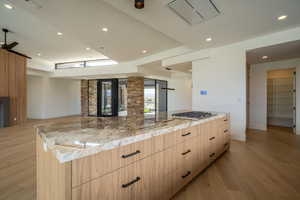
<point>139,4</point>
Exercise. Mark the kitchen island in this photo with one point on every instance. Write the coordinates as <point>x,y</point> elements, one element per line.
<point>126,158</point>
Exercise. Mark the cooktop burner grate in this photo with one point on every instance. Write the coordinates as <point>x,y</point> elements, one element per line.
<point>194,114</point>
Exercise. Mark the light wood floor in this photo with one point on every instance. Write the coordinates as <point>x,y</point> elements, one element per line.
<point>266,167</point>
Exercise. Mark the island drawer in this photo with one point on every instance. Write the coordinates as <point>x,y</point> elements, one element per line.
<point>86,169</point>
<point>227,135</point>
<point>225,120</point>
<point>162,187</point>
<point>130,153</point>
<point>180,178</point>
<point>186,134</point>
<point>187,154</point>
<point>164,141</point>
<point>165,162</point>
<point>127,183</point>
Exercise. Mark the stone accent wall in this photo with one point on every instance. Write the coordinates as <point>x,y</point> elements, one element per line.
<point>135,100</point>
<point>135,90</point>
<point>93,100</point>
<point>84,98</point>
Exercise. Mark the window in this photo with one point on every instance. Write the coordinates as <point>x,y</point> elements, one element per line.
<point>69,65</point>
<point>96,63</point>
<point>88,63</point>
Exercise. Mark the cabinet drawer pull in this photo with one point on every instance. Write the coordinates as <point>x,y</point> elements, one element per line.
<point>212,138</point>
<point>186,175</point>
<point>186,134</point>
<point>131,154</point>
<point>211,155</point>
<point>225,131</point>
<point>225,120</point>
<point>131,182</point>
<point>184,153</point>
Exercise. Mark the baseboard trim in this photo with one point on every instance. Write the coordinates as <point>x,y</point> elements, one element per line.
<point>262,127</point>
<point>240,138</point>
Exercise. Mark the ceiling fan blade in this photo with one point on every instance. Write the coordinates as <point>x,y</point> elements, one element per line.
<point>12,45</point>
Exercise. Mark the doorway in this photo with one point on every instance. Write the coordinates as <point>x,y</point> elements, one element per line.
<point>281,98</point>
<point>271,86</point>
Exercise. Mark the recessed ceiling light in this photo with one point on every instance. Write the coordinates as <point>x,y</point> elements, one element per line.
<point>88,48</point>
<point>104,29</point>
<point>8,6</point>
<point>208,39</point>
<point>265,57</point>
<point>59,33</point>
<point>144,51</point>
<point>39,54</point>
<point>282,17</point>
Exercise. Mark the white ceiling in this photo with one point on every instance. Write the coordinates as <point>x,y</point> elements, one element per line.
<point>282,51</point>
<point>155,28</point>
<point>34,36</point>
<point>156,66</point>
<point>239,20</point>
<point>182,67</point>
<point>81,23</point>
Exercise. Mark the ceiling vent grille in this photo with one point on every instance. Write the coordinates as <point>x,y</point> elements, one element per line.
<point>194,11</point>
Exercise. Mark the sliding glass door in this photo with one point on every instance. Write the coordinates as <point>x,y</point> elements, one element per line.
<point>155,96</point>
<point>123,95</point>
<point>112,97</point>
<point>108,97</point>
<point>161,96</point>
<point>149,97</point>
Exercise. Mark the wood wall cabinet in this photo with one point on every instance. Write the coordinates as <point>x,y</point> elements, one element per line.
<point>153,169</point>
<point>3,73</point>
<point>13,85</point>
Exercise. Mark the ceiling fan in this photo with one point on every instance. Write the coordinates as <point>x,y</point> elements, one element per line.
<point>10,46</point>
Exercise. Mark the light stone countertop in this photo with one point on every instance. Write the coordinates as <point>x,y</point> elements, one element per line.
<point>85,136</point>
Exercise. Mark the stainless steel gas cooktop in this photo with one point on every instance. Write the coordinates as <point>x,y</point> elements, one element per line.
<point>193,115</point>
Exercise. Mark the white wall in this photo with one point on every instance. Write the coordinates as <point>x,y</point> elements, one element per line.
<point>223,76</point>
<point>35,97</point>
<point>49,98</point>
<point>62,98</point>
<point>181,97</point>
<point>222,72</point>
<point>258,91</point>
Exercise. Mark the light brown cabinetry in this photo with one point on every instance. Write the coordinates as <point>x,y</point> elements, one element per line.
<point>3,73</point>
<point>95,166</point>
<point>155,168</point>
<point>13,84</point>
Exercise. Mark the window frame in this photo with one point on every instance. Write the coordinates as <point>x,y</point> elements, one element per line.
<point>84,62</point>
